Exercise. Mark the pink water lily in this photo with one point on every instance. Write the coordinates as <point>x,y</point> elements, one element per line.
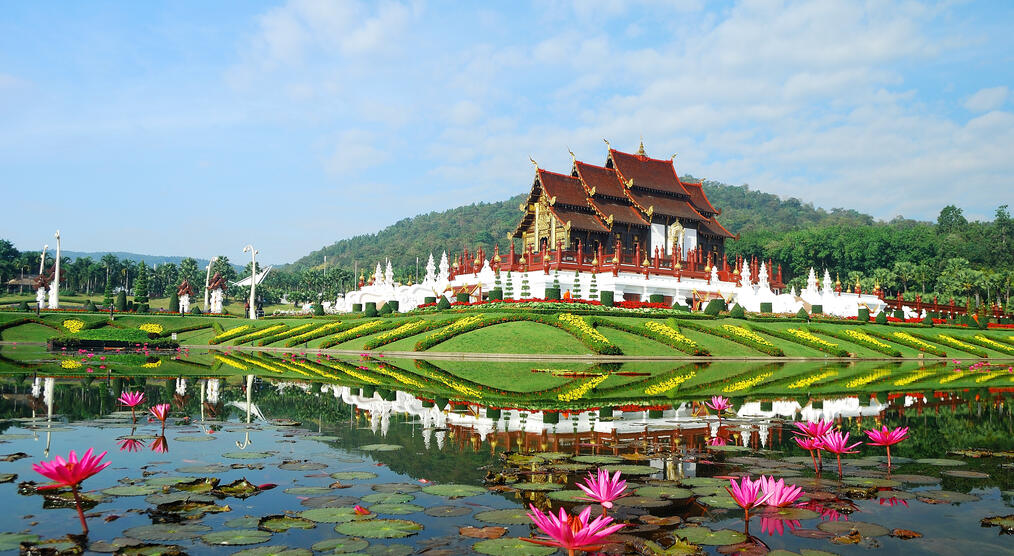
<point>811,445</point>
<point>71,473</point>
<point>130,444</point>
<point>813,430</point>
<point>778,493</point>
<point>747,495</point>
<point>887,437</point>
<point>161,412</point>
<point>572,533</point>
<point>719,403</point>
<point>603,489</point>
<point>160,445</point>
<point>837,443</point>
<point>131,400</point>
<point>773,525</point>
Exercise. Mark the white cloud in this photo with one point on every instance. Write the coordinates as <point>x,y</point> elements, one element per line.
<point>354,152</point>
<point>987,99</point>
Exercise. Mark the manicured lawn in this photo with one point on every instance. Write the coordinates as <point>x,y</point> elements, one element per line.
<point>513,376</point>
<point>632,344</point>
<point>720,346</point>
<point>515,337</point>
<point>29,332</point>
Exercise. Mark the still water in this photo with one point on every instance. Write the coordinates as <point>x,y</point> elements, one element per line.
<point>311,448</point>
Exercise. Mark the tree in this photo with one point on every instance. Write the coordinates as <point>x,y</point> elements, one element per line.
<point>526,293</point>
<point>141,284</point>
<point>509,287</point>
<point>905,271</point>
<point>593,290</point>
<point>950,220</point>
<point>575,291</point>
<point>189,270</point>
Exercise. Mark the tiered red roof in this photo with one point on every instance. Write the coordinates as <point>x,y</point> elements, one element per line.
<point>699,199</point>
<point>648,173</point>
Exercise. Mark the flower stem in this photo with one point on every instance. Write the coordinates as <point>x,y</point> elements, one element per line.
<point>839,466</point>
<point>888,458</point>
<point>814,458</point>
<point>80,511</point>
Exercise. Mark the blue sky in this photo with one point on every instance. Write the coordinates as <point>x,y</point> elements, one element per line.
<point>194,128</point>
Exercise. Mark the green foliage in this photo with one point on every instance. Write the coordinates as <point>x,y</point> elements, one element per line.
<point>737,312</point>
<point>318,309</point>
<point>442,303</point>
<point>606,298</point>
<point>575,291</point>
<point>864,315</point>
<point>526,292</point>
<point>553,293</point>
<point>141,284</point>
<point>174,303</point>
<point>802,314</point>
<point>107,296</point>
<point>195,310</point>
<point>817,309</point>
<point>927,320</point>
<point>23,306</point>
<point>121,301</point>
<point>508,291</point>
<point>426,300</point>
<point>385,309</point>
<point>358,307</point>
<point>142,308</point>
<point>765,307</point>
<point>714,307</point>
<point>656,298</point>
<point>593,289</point>
<point>89,306</point>
<point>881,317</point>
<point>464,297</point>
<point>371,309</point>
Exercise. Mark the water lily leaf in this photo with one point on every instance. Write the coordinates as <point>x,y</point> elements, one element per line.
<point>166,497</point>
<point>489,532</point>
<point>552,455</point>
<point>189,509</point>
<point>845,527</point>
<point>963,474</point>
<point>203,484</point>
<point>195,438</point>
<point>895,460</point>
<point>329,501</point>
<point>166,531</point>
<point>563,466</point>
<point>322,437</point>
<point>941,462</point>
<point>710,491</point>
<point>237,537</point>
<point>1004,522</point>
<point>53,500</point>
<point>379,528</point>
<point>669,492</point>
<point>380,447</point>
<point>301,465</point>
<point>945,497</point>
<point>454,491</point>
<point>353,475</point>
<point>240,488</point>
<point>905,534</point>
<point>533,486</point>
<point>131,490</point>
<point>273,551</point>
<point>282,523</point>
<point>8,477</point>
<point>915,479</point>
<point>334,515</point>
<point>726,502</point>
<point>161,481</point>
<point>729,448</point>
<point>707,537</point>
<point>631,469</point>
<point>115,545</point>
<point>524,459</point>
<point>704,482</point>
<point>400,488</point>
<point>511,547</point>
<point>871,482</point>
<point>643,502</point>
<point>245,522</point>
<point>510,516</point>
<point>12,541</point>
<point>597,460</point>
<point>149,549</point>
<point>389,550</point>
<point>569,495</point>
<point>387,498</point>
<point>790,513</point>
<point>308,491</point>
<point>202,469</point>
<point>246,455</point>
<point>450,511</point>
<point>396,509</point>
<point>341,545</point>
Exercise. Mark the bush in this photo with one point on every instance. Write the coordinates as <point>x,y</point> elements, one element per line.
<point>394,305</point>
<point>23,306</point>
<point>802,314</point>
<point>89,306</point>
<point>928,320</point>
<point>195,310</point>
<point>443,303</point>
<point>318,310</point>
<point>550,418</point>
<point>882,317</point>
<point>357,307</point>
<point>385,309</point>
<point>766,308</point>
<point>371,309</point>
<point>432,299</point>
<point>816,309</point>
<point>142,308</point>
<point>864,315</point>
<point>656,298</point>
<point>553,293</point>
<point>130,306</point>
<point>737,312</point>
<point>606,298</point>
<point>462,297</point>
<point>494,295</point>
<point>899,314</point>
<point>714,307</point>
<point>121,301</point>
<point>174,303</point>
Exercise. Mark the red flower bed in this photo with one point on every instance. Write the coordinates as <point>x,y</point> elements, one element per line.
<point>641,305</point>
<point>1002,326</point>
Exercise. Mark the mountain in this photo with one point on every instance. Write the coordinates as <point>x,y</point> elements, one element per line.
<point>755,214</point>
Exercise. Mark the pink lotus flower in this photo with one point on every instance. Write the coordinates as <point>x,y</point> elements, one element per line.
<point>161,411</point>
<point>71,473</point>
<point>603,489</point>
<point>778,493</point>
<point>837,443</point>
<point>130,444</point>
<point>160,445</point>
<point>811,445</point>
<point>572,532</point>
<point>718,441</point>
<point>747,495</point>
<point>776,525</point>
<point>813,430</point>
<point>131,400</point>
<point>359,510</point>
<point>887,438</point>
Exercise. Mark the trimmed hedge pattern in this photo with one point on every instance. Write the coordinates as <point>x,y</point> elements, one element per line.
<point>181,329</point>
<point>262,333</point>
<point>862,339</point>
<point>364,329</point>
<point>804,338</point>
<point>406,330</point>
<point>284,334</point>
<point>950,341</point>
<point>733,333</point>
<point>990,343</point>
<point>906,339</point>
<point>567,322</point>
<point>313,334</point>
<point>230,334</point>
<point>658,332</point>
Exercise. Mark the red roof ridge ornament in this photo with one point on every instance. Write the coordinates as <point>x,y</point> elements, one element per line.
<point>640,149</point>
<point>608,146</point>
<point>536,164</point>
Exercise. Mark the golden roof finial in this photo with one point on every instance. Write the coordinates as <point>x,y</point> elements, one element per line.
<point>640,149</point>
<point>608,146</point>
<point>673,157</point>
<point>572,157</point>
<point>837,279</point>
<point>536,164</point>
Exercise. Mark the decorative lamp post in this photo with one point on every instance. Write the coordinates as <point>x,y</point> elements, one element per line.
<point>253,280</point>
<point>207,281</point>
<point>54,290</point>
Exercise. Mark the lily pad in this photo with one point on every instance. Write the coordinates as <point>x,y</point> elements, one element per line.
<point>308,491</point>
<point>389,550</point>
<point>597,460</point>
<point>895,460</point>
<point>240,488</point>
<point>237,537</point>
<point>379,528</point>
<point>353,475</point>
<point>569,495</point>
<point>450,511</point>
<point>940,462</point>
<point>322,438</point>
<point>387,498</point>
<point>726,502</point>
<point>166,531</point>
<point>534,486</point>
<point>790,513</point>
<point>401,488</point>
<point>187,509</point>
<point>273,551</point>
<point>552,455</point>
<point>204,484</point>
<point>707,537</point>
<point>162,481</point>
<point>329,501</point>
<point>916,479</point>
<point>454,491</point>
<point>8,477</point>
<point>396,509</point>
<point>704,482</point>
<point>246,455</point>
<point>729,448</point>
<point>195,438</point>
<point>341,545</point>
<point>1004,522</point>
<point>301,466</point>
<point>132,490</point>
<point>643,502</point>
<point>203,469</point>
<point>334,515</point>
<point>166,498</point>
<point>946,496</point>
<point>963,474</point>
<point>670,492</point>
<point>510,516</point>
<point>631,469</point>
<point>844,527</point>
<point>380,447</point>
<point>563,466</point>
<point>511,547</point>
<point>12,541</point>
<point>871,482</point>
<point>282,523</point>
<point>247,522</point>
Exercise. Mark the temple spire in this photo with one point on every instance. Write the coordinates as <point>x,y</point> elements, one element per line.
<point>640,149</point>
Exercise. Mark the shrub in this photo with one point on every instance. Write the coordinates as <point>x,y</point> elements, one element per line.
<point>90,306</point>
<point>357,307</point>
<point>861,338</point>
<point>130,306</point>
<point>121,301</point>
<point>606,298</point>
<point>195,310</point>
<point>443,303</point>
<point>659,332</point>
<point>371,309</point>
<point>737,312</point>
<point>733,333</point>
<point>394,305</point>
<point>553,293</point>
<point>950,341</point>
<point>864,315</point>
<point>142,308</point>
<point>714,307</point>
<point>174,303</point>
<point>899,314</point>
<point>882,317</point>
<point>804,338</point>
<point>23,306</point>
<point>816,309</point>
<point>656,298</point>
<point>927,320</point>
<point>432,299</point>
<point>494,295</point>
<point>318,309</point>
<point>462,297</point>
<point>385,309</point>
<point>766,308</point>
<point>802,314</point>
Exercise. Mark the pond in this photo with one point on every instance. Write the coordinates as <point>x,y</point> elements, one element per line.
<point>269,450</point>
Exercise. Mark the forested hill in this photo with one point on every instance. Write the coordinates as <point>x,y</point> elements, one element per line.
<point>744,210</point>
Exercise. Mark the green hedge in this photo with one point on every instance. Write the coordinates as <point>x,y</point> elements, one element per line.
<point>462,298</point>
<point>606,298</point>
<point>411,329</point>
<point>816,309</point>
<point>931,349</point>
<point>771,350</point>
<point>836,351</point>
<point>714,307</point>
<point>357,307</point>
<point>889,351</point>
<point>950,342</point>
<point>656,298</point>
<point>864,315</point>
<point>766,307</point>
<point>553,293</point>
<point>451,331</point>
<point>990,343</point>
<point>737,312</point>
<point>443,303</point>
<point>358,330</point>
<point>318,332</point>
<point>689,346</point>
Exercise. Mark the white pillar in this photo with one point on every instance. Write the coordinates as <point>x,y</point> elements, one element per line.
<point>54,289</point>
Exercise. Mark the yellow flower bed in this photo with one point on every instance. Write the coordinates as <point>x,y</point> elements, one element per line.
<point>954,342</point>
<point>354,332</point>
<point>580,390</point>
<point>951,378</point>
<point>151,328</point>
<point>668,332</point>
<point>152,365</point>
<point>584,327</point>
<point>668,384</point>
<point>864,380</point>
<point>747,334</point>
<point>913,378</point>
<point>230,333</point>
<point>746,383</point>
<point>865,338</point>
<point>231,362</point>
<point>454,385</point>
<point>989,376</point>
<point>804,335</point>
<point>70,364</point>
<point>992,343</point>
<point>807,381</point>
<point>400,377</point>
<point>403,329</point>
<point>925,346</point>
<point>73,325</point>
